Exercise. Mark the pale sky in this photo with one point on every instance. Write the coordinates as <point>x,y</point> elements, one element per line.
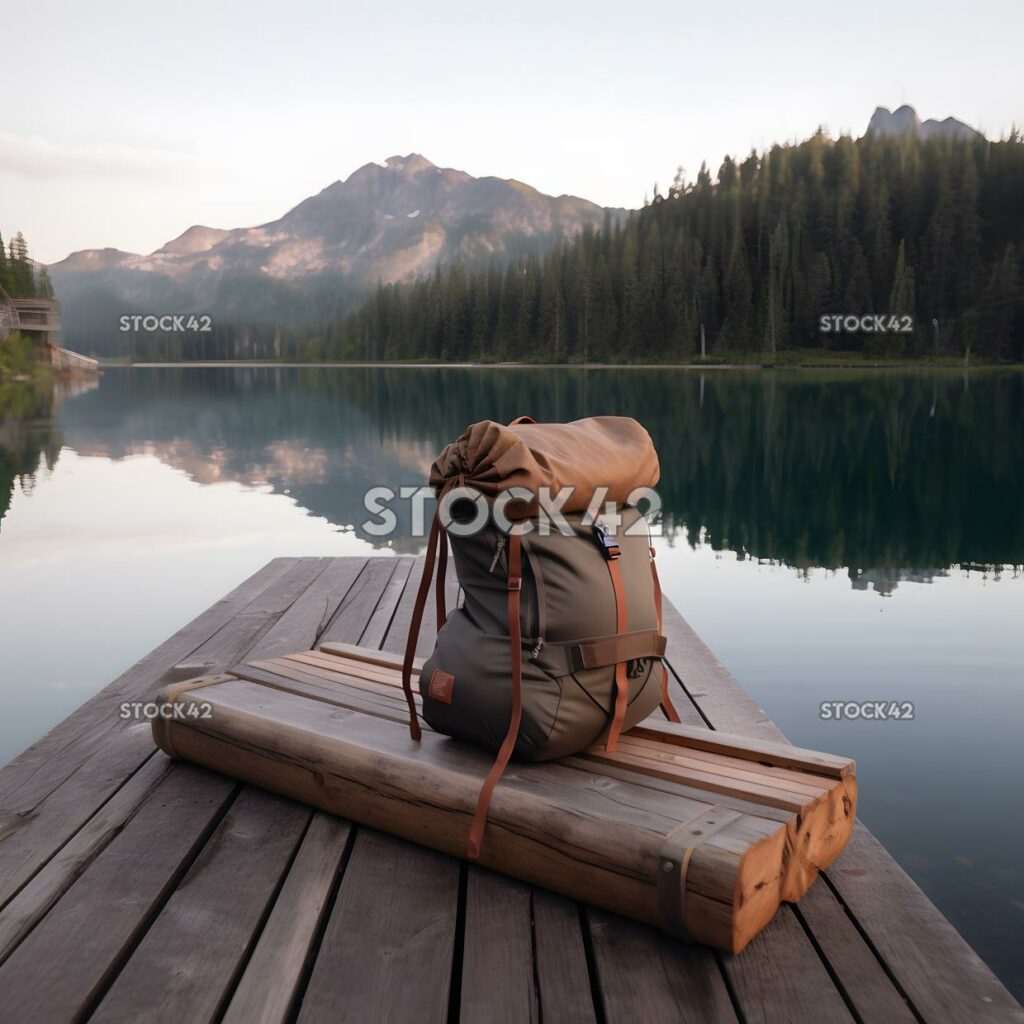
<point>123,123</point>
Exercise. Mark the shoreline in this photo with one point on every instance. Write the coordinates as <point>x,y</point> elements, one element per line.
<point>323,364</point>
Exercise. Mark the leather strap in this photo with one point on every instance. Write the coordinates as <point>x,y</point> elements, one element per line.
<point>607,650</point>
<point>441,580</point>
<point>521,419</point>
<point>417,618</point>
<point>171,694</point>
<point>515,585</point>
<point>621,678</point>
<point>674,862</point>
<point>666,701</point>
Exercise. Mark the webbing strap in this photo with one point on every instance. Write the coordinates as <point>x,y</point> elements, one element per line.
<point>621,677</point>
<point>515,584</point>
<point>417,618</point>
<point>666,701</point>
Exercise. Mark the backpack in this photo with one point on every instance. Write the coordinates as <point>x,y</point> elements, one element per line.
<point>558,644</point>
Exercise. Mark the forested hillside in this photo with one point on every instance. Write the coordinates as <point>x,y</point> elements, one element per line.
<point>880,225</point>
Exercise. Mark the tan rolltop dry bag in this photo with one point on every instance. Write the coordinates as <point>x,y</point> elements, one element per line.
<point>558,644</point>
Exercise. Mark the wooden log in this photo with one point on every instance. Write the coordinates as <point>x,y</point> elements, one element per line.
<point>694,867</point>
<point>817,792</point>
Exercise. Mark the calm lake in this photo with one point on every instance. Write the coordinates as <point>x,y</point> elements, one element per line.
<point>831,535</point>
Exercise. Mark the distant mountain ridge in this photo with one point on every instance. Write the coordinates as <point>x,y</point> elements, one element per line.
<point>386,222</point>
<point>904,121</point>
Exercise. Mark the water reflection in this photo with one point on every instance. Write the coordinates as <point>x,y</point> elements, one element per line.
<point>889,476</point>
<point>793,502</point>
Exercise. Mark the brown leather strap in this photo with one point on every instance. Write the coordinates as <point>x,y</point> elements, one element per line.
<point>515,584</point>
<point>666,701</point>
<point>607,650</point>
<point>674,863</point>
<point>522,419</point>
<point>161,725</point>
<point>621,678</point>
<point>417,618</point>
<point>441,581</point>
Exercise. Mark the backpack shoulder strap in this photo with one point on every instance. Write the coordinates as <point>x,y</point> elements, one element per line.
<point>515,586</point>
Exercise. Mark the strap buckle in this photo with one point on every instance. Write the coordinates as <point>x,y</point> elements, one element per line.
<point>608,544</point>
<point>515,583</point>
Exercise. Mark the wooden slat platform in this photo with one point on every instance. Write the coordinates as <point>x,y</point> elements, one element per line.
<point>134,888</point>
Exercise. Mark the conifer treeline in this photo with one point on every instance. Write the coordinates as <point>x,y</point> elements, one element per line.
<point>18,274</point>
<point>880,225</point>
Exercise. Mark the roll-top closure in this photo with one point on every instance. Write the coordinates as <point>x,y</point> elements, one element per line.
<point>601,452</point>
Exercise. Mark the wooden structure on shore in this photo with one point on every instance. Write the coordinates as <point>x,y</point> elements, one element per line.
<point>39,319</point>
<point>134,887</point>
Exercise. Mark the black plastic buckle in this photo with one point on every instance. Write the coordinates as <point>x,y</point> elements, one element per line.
<point>606,542</point>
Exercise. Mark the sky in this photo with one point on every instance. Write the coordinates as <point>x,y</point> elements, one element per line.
<point>127,123</point>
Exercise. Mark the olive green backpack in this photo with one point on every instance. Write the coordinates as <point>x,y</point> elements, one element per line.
<point>558,643</point>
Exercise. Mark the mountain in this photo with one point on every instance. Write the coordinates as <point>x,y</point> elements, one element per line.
<point>387,222</point>
<point>904,121</point>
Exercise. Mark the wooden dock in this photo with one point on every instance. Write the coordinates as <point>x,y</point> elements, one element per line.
<point>136,888</point>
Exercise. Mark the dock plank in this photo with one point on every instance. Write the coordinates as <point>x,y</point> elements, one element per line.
<point>563,977</point>
<point>644,976</point>
<point>355,610</point>
<point>26,909</point>
<point>300,627</point>
<point>868,989</point>
<point>63,966</point>
<point>185,966</point>
<point>779,978</point>
<point>275,975</point>
<point>388,947</point>
<point>497,960</point>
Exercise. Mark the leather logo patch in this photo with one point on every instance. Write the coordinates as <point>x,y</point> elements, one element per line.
<point>441,686</point>
<point>636,667</point>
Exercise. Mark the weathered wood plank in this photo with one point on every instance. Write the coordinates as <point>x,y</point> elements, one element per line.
<point>868,989</point>
<point>561,960</point>
<point>497,958</point>
<point>184,967</point>
<point>779,977</point>
<point>387,950</point>
<point>300,626</point>
<point>233,642</point>
<point>643,976</point>
<point>62,967</point>
<point>354,612</point>
<point>275,974</point>
<point>23,912</point>
<point>34,834</point>
<point>380,619</point>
